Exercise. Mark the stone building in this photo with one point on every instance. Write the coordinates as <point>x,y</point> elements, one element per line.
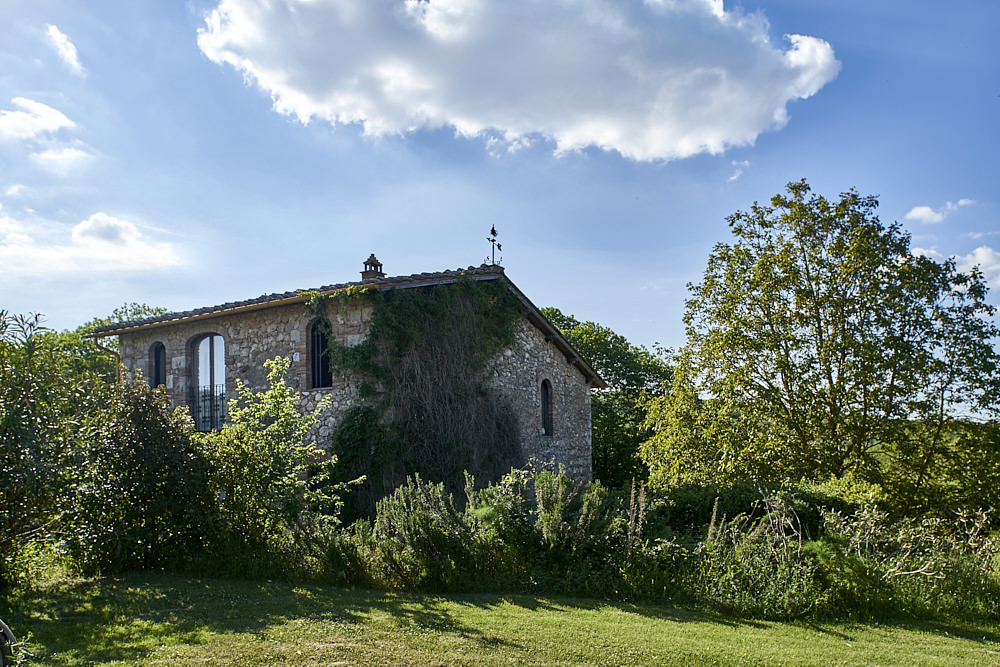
<point>198,355</point>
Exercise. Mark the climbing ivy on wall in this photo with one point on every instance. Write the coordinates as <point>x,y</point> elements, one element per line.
<point>423,369</point>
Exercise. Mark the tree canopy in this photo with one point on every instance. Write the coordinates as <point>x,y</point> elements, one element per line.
<point>819,345</point>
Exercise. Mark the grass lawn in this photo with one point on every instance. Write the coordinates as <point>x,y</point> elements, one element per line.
<point>168,620</point>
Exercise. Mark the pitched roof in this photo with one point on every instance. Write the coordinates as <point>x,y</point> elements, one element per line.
<point>483,272</point>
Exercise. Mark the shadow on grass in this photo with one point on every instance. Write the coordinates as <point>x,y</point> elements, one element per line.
<point>127,618</point>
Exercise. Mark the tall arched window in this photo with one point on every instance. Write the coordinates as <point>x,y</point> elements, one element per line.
<point>157,365</point>
<point>319,357</point>
<point>546,407</point>
<point>209,387</point>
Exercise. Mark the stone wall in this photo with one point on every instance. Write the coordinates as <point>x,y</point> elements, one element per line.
<point>254,336</point>
<point>518,372</point>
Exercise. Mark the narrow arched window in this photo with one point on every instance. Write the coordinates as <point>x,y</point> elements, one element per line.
<point>319,357</point>
<point>157,365</point>
<point>546,407</point>
<point>209,390</point>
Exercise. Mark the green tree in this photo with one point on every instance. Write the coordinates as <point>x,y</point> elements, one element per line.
<point>46,378</point>
<point>819,345</point>
<point>618,414</point>
<point>29,409</point>
<point>271,482</point>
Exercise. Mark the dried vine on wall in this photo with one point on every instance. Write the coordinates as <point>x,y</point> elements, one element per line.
<point>423,369</point>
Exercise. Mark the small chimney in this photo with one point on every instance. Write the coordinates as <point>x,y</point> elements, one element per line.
<point>373,269</point>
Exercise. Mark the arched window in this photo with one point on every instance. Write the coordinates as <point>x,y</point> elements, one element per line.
<point>157,365</point>
<point>319,357</point>
<point>209,388</point>
<point>546,407</point>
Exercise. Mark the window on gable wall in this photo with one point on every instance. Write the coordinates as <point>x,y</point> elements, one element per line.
<point>546,395</point>
<point>208,400</point>
<point>158,365</point>
<point>319,357</point>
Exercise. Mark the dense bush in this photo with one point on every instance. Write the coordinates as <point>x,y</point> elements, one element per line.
<point>135,495</point>
<point>271,486</point>
<point>423,542</point>
<point>31,398</point>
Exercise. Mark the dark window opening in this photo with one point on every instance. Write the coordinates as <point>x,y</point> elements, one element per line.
<point>158,374</point>
<point>319,357</point>
<point>546,408</point>
<point>208,391</point>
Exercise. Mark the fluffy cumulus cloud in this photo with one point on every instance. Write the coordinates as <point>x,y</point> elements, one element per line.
<point>929,215</point>
<point>100,244</point>
<point>985,258</point>
<point>988,261</point>
<point>65,48</point>
<point>650,79</point>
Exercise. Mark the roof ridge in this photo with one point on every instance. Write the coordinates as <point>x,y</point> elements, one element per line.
<point>386,282</point>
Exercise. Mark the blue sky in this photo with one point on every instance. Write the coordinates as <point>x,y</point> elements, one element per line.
<point>185,154</point>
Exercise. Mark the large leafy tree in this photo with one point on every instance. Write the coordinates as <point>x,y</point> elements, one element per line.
<point>819,345</point>
<point>618,414</point>
<point>46,378</point>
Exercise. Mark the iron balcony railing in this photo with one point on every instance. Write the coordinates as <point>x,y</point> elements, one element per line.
<point>208,407</point>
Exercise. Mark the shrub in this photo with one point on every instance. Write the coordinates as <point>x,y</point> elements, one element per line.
<point>501,518</point>
<point>136,493</point>
<point>274,497</point>
<point>928,567</point>
<point>422,542</point>
<point>756,566</point>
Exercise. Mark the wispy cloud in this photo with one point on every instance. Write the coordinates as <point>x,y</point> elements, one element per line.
<point>61,160</point>
<point>928,215</point>
<point>98,245</point>
<point>33,119</point>
<point>738,168</point>
<point>653,80</point>
<point>65,48</point>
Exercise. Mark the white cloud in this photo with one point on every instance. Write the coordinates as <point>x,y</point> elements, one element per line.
<point>99,244</point>
<point>928,215</point>
<point>988,261</point>
<point>985,257</point>
<point>14,190</point>
<point>929,253</point>
<point>660,79</point>
<point>65,48</point>
<point>36,118</point>
<point>60,160</point>
<point>738,167</point>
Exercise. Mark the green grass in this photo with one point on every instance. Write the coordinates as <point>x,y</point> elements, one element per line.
<point>167,620</point>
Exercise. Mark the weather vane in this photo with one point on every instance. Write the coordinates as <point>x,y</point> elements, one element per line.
<point>492,238</point>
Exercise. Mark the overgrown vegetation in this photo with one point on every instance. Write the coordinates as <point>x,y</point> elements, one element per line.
<point>422,365</point>
<point>133,487</point>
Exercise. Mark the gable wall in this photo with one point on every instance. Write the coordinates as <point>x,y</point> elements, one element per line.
<point>518,373</point>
